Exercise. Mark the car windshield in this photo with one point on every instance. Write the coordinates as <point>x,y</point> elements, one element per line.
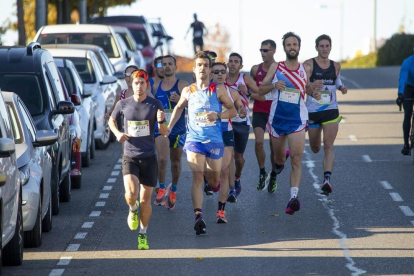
<point>17,131</point>
<point>27,87</point>
<point>85,69</point>
<point>67,78</point>
<point>140,37</point>
<point>106,41</point>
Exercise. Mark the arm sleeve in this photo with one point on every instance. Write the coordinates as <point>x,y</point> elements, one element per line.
<point>117,111</point>
<point>405,67</point>
<point>338,81</point>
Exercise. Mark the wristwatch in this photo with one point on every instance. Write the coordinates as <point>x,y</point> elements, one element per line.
<point>218,115</point>
<point>249,93</point>
<point>162,122</point>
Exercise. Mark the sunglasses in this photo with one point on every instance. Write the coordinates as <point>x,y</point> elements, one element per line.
<point>129,74</point>
<point>159,65</point>
<point>216,72</point>
<point>265,50</point>
<point>211,55</point>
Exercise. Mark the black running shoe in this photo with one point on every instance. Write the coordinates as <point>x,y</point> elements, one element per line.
<point>293,206</point>
<point>263,181</point>
<point>200,226</point>
<point>207,189</point>
<point>232,197</point>
<point>406,150</point>
<point>326,189</point>
<point>271,188</point>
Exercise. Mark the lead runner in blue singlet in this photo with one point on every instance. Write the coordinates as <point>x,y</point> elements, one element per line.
<point>204,143</point>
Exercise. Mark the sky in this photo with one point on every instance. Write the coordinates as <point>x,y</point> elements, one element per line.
<point>250,22</point>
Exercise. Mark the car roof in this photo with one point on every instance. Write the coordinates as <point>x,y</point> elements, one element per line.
<point>130,25</point>
<point>79,53</point>
<point>12,58</point>
<point>91,47</point>
<point>76,28</point>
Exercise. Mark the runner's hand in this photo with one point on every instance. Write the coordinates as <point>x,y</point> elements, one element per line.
<point>316,95</point>
<point>169,131</point>
<point>160,115</point>
<point>317,85</point>
<point>399,101</point>
<point>343,89</point>
<point>242,88</point>
<point>211,116</point>
<point>122,137</point>
<point>242,112</point>
<point>175,97</point>
<point>280,85</point>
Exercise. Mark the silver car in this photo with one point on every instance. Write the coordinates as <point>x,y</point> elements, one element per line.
<point>35,166</point>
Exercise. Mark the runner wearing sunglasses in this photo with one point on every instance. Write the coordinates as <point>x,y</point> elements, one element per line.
<point>159,75</point>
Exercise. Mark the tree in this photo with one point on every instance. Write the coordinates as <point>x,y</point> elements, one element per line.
<point>395,50</point>
<point>217,40</point>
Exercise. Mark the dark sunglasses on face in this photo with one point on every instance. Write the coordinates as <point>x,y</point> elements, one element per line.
<point>264,50</point>
<point>159,65</point>
<point>216,72</point>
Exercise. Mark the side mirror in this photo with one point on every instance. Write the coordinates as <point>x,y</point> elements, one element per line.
<point>45,138</point>
<point>168,37</point>
<point>120,75</point>
<point>75,99</point>
<point>108,79</point>
<point>7,147</point>
<point>64,107</point>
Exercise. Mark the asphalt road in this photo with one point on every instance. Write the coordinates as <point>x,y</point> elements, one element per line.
<point>364,228</point>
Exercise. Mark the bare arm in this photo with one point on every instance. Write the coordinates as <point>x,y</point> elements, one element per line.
<point>162,127</point>
<point>251,84</point>
<point>179,108</point>
<point>314,87</point>
<point>175,97</point>
<point>267,85</point>
<point>238,103</point>
<point>120,136</point>
<point>338,81</point>
<point>117,98</point>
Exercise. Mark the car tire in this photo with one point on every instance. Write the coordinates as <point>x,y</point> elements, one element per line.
<point>86,160</point>
<point>103,143</point>
<point>12,253</point>
<point>77,182</point>
<point>33,238</point>
<point>56,195</point>
<point>65,189</point>
<point>93,145</point>
<point>47,220</point>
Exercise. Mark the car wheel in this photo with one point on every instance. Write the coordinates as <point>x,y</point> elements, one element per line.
<point>77,182</point>
<point>93,145</point>
<point>1,240</point>
<point>33,238</point>
<point>103,143</point>
<point>65,189</point>
<point>12,253</point>
<point>86,160</point>
<point>47,220</point>
<point>56,195</point>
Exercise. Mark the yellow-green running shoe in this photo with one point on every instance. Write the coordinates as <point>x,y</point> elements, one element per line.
<point>142,242</point>
<point>133,220</point>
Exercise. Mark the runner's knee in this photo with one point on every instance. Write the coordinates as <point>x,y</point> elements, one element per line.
<point>315,148</point>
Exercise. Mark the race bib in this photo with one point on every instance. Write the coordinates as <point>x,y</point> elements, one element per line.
<point>269,96</point>
<point>325,98</point>
<point>289,95</point>
<point>168,114</point>
<point>138,128</point>
<point>198,33</point>
<point>201,120</point>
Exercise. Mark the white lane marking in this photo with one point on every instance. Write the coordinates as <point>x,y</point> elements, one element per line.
<point>396,197</point>
<point>57,272</point>
<point>386,185</point>
<point>107,188</point>
<point>88,224</point>
<point>353,138</point>
<point>353,82</point>
<point>343,240</point>
<point>64,261</point>
<point>95,214</point>
<point>120,160</point>
<point>366,158</point>
<point>103,195</point>
<point>73,247</point>
<point>118,167</point>
<point>100,204</point>
<point>310,164</point>
<point>80,235</point>
<point>115,173</point>
<point>111,180</point>
<point>407,211</point>
<point>342,121</point>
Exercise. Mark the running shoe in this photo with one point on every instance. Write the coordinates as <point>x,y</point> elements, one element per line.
<point>170,198</point>
<point>271,188</point>
<point>220,216</point>
<point>326,188</point>
<point>216,189</point>
<point>159,200</point>
<point>263,181</point>
<point>232,197</point>
<point>207,188</point>
<point>200,226</point>
<point>133,221</point>
<point>237,186</point>
<point>293,206</point>
<point>142,242</point>
<point>406,150</point>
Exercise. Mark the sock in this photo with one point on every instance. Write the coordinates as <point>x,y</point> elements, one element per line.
<point>221,206</point>
<point>278,168</point>
<point>205,179</point>
<point>198,213</point>
<point>231,188</point>
<point>262,171</point>
<point>133,208</point>
<point>173,187</point>
<point>162,185</point>
<point>143,230</point>
<point>327,176</point>
<point>238,177</point>
<point>294,192</point>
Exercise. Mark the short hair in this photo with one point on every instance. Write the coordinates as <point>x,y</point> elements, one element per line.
<point>140,74</point>
<point>131,66</point>
<point>323,37</point>
<point>290,34</point>
<point>236,55</point>
<point>170,56</point>
<point>270,42</point>
<point>157,59</point>
<point>219,63</point>
<point>203,55</point>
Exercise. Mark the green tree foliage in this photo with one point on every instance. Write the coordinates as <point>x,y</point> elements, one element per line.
<point>395,50</point>
<point>361,61</point>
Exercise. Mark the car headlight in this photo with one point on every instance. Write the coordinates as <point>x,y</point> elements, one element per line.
<point>24,176</point>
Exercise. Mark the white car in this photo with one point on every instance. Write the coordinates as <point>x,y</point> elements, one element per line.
<point>95,83</point>
<point>35,167</point>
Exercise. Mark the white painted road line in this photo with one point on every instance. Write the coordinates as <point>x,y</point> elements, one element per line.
<point>310,164</point>
<point>353,138</point>
<point>342,121</point>
<point>100,204</point>
<point>103,195</point>
<point>64,261</point>
<point>88,224</point>
<point>407,211</point>
<point>118,167</point>
<point>386,185</point>
<point>80,235</point>
<point>57,272</point>
<point>396,197</point>
<point>111,180</point>
<point>73,247</point>
<point>107,188</point>
<point>115,173</point>
<point>366,158</point>
<point>95,214</point>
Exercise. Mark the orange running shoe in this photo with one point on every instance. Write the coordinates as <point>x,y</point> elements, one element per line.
<point>220,216</point>
<point>159,200</point>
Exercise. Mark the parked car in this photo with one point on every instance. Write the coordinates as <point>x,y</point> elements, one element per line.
<point>35,167</point>
<point>96,84</point>
<point>11,216</point>
<point>100,35</point>
<point>130,43</point>
<point>85,108</point>
<point>31,73</point>
<point>160,32</point>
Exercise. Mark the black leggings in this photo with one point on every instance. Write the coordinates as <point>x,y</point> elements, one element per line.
<point>408,113</point>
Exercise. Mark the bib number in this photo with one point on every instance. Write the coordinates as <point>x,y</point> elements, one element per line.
<point>201,120</point>
<point>290,95</point>
<point>138,128</point>
<point>198,34</point>
<point>168,114</point>
<point>269,96</point>
<point>325,98</point>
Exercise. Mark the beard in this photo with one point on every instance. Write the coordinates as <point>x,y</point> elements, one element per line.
<point>168,74</point>
<point>291,57</point>
<point>161,77</point>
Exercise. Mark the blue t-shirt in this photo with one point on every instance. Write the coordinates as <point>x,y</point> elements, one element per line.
<point>406,74</point>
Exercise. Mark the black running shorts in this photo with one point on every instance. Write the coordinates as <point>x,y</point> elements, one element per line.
<point>260,120</point>
<point>241,136</point>
<point>146,169</point>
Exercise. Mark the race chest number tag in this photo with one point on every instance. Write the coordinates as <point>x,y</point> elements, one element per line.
<point>269,96</point>
<point>168,114</point>
<point>138,128</point>
<point>290,95</point>
<point>201,120</point>
<point>325,98</point>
